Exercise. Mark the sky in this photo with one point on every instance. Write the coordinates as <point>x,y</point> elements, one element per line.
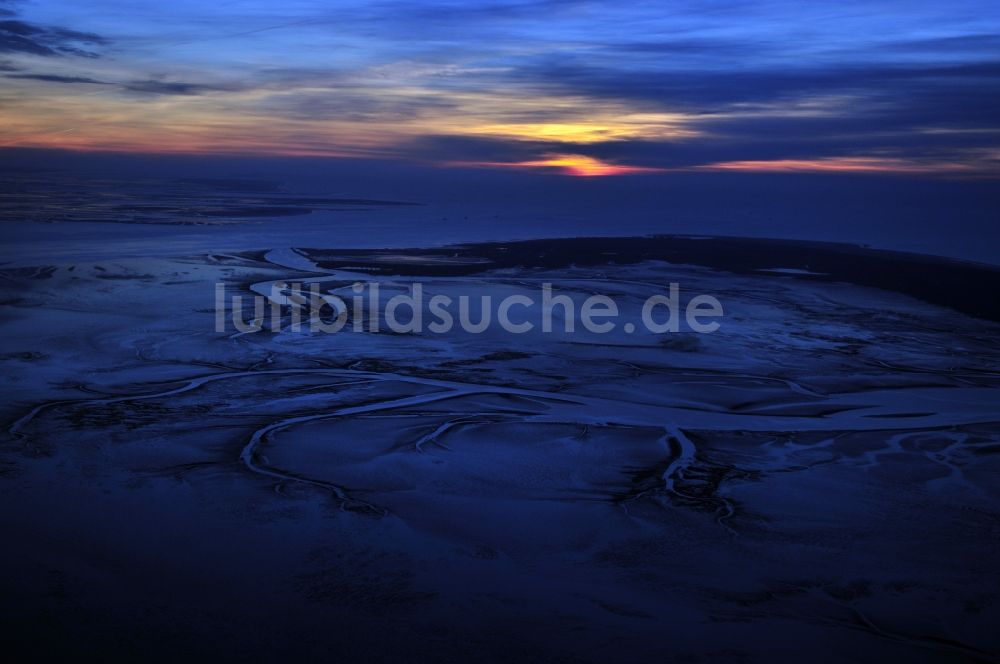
<point>579,88</point>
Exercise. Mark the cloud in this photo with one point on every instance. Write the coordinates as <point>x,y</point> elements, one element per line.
<point>869,164</point>
<point>352,104</point>
<point>450,149</point>
<point>707,90</point>
<point>55,78</point>
<point>21,37</point>
<point>158,87</point>
<point>951,45</point>
<point>673,86</point>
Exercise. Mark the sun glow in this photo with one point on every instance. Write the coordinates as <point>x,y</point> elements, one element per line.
<point>570,164</point>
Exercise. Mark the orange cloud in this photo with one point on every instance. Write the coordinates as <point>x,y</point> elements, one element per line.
<point>842,165</point>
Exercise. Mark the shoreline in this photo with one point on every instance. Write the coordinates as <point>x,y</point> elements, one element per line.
<point>967,287</point>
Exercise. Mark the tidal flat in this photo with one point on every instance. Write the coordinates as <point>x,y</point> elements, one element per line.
<point>817,476</point>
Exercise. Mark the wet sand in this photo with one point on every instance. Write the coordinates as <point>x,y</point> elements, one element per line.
<point>817,479</point>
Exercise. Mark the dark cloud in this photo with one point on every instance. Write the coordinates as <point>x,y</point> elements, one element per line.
<point>447,148</point>
<point>687,46</point>
<point>706,91</point>
<point>55,78</point>
<point>147,87</point>
<point>22,37</point>
<point>158,87</point>
<point>652,153</point>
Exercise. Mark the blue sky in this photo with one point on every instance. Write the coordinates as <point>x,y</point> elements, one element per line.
<point>583,88</point>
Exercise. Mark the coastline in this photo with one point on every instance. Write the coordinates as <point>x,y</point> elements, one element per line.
<point>967,287</point>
